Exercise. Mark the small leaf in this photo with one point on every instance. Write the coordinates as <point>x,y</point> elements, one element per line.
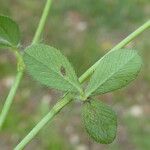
<point>100,121</point>
<point>9,33</point>
<point>48,66</point>
<point>115,70</point>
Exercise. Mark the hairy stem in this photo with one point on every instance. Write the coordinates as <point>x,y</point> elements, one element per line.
<point>54,111</point>
<point>67,98</point>
<point>21,67</point>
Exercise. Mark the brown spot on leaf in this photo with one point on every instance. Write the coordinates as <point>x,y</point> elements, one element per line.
<point>63,71</point>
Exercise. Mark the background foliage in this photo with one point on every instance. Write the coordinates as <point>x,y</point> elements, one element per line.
<point>84,30</point>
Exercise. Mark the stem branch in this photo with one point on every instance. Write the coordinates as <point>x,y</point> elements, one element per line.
<point>21,66</point>
<point>67,98</point>
<point>120,45</point>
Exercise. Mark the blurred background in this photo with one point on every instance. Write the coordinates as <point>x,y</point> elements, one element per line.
<point>84,30</point>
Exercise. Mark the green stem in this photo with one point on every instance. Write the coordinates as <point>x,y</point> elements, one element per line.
<point>42,22</point>
<point>9,99</point>
<point>54,111</point>
<point>120,45</point>
<point>67,99</point>
<point>21,66</point>
<point>12,92</point>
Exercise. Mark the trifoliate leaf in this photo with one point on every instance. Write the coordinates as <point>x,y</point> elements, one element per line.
<point>9,33</point>
<point>115,70</point>
<point>48,66</point>
<point>100,121</point>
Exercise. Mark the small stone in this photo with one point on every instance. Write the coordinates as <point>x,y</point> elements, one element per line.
<point>81,147</point>
<point>136,111</point>
<point>74,139</point>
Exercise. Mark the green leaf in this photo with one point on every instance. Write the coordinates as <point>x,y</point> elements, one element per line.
<point>115,70</point>
<point>9,33</point>
<point>48,66</point>
<point>100,121</point>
